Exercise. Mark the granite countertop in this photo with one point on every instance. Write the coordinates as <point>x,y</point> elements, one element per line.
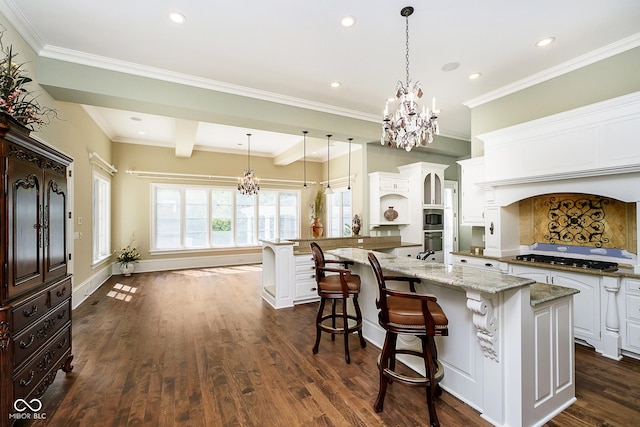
<point>467,278</point>
<point>623,271</point>
<point>541,293</point>
<point>301,246</point>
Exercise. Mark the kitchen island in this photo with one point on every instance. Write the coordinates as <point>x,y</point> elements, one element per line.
<point>509,352</point>
<point>288,270</point>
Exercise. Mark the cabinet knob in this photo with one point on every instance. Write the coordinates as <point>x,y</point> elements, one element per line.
<point>464,261</point>
<point>488,264</point>
<point>314,289</point>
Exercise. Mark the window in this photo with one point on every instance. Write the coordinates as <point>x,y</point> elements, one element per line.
<point>101,217</point>
<point>339,213</point>
<point>199,217</point>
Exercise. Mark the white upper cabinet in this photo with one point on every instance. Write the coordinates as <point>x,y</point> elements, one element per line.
<point>388,191</point>
<point>472,194</point>
<point>433,185</point>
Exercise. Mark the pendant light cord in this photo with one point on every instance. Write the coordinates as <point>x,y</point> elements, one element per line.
<point>349,177</point>
<point>304,156</point>
<point>249,152</point>
<point>328,160</point>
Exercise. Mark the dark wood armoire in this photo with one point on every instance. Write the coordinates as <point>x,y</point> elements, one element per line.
<point>35,296</point>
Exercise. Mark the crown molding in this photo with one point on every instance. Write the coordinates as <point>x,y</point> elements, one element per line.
<point>81,58</point>
<point>608,51</point>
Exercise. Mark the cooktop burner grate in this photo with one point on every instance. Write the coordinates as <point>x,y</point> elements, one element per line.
<point>569,262</point>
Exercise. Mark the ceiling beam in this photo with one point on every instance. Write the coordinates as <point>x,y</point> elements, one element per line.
<point>185,135</point>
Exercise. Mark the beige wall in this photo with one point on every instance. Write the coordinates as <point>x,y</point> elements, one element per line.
<point>131,195</point>
<point>76,135</point>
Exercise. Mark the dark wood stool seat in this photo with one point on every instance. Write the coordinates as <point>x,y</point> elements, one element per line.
<point>336,284</point>
<point>415,314</point>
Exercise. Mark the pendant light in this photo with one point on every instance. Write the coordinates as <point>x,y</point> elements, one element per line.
<point>304,156</point>
<point>328,190</point>
<point>349,176</point>
<point>248,184</point>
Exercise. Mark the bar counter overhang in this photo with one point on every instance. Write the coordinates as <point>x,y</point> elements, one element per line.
<point>509,353</point>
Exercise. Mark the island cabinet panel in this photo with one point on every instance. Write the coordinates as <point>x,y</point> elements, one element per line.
<point>587,315</point>
<point>35,298</point>
<point>509,352</point>
<point>553,350</point>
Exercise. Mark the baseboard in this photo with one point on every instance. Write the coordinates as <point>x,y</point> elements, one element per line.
<point>83,290</point>
<point>166,264</point>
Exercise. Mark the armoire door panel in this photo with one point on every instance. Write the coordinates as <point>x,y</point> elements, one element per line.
<point>55,227</point>
<point>25,262</point>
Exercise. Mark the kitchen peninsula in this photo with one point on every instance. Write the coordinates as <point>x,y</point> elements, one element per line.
<point>509,352</point>
<point>288,271</point>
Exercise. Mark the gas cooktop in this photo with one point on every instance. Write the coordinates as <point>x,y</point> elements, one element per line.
<point>570,262</point>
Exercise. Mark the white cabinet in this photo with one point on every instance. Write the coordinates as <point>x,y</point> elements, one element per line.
<point>393,184</point>
<point>587,303</point>
<point>476,262</point>
<point>631,321</point>
<point>386,191</point>
<point>501,234</point>
<point>306,286</point>
<point>406,252</point>
<point>433,186</point>
<point>472,195</point>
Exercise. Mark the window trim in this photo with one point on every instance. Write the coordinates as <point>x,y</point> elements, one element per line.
<point>336,191</point>
<point>96,260</point>
<point>227,248</point>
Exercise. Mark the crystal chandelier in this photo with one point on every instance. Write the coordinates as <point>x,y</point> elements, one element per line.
<point>411,125</point>
<point>248,184</point>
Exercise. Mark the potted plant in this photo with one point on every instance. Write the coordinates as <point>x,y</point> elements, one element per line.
<point>127,256</point>
<point>18,105</point>
<point>317,209</point>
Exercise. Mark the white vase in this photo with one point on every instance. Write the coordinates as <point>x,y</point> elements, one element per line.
<point>127,268</point>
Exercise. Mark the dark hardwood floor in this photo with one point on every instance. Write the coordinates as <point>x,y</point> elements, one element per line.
<point>201,348</point>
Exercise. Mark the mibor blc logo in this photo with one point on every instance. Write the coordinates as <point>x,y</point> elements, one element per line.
<point>27,410</point>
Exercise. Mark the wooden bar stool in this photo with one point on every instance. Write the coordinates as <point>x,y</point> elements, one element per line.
<point>341,285</point>
<point>415,314</point>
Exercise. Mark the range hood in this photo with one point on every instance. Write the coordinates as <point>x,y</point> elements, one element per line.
<point>592,150</point>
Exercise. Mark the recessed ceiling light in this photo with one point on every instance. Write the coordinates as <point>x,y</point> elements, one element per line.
<point>336,84</point>
<point>177,17</point>
<point>348,21</point>
<point>545,42</point>
<point>474,76</point>
<point>450,66</point>
<point>141,133</point>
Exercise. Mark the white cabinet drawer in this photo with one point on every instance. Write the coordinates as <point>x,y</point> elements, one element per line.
<point>633,307</point>
<point>484,263</point>
<point>633,336</point>
<point>305,268</point>
<point>633,285</point>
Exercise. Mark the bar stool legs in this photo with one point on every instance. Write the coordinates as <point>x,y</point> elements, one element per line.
<point>334,329</point>
<point>433,368</point>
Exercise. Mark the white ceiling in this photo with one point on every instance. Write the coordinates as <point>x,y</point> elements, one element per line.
<point>290,52</point>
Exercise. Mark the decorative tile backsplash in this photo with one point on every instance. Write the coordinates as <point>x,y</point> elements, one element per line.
<point>578,220</point>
